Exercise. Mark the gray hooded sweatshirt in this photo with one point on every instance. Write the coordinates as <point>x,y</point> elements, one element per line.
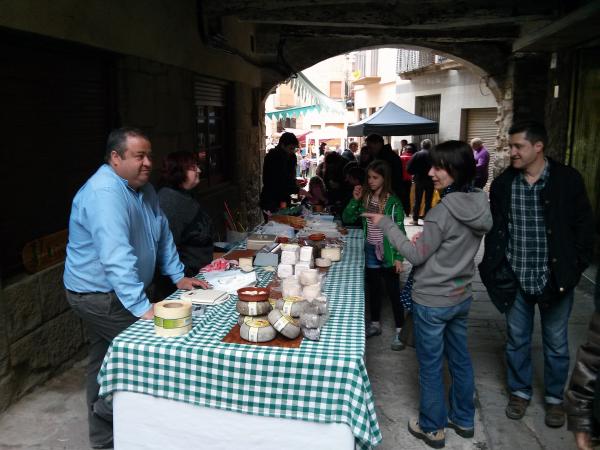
<point>443,256</point>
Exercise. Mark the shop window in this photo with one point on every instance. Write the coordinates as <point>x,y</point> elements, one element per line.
<point>335,89</point>
<point>282,124</point>
<point>211,99</point>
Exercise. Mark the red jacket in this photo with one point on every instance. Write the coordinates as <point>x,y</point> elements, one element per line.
<point>405,158</point>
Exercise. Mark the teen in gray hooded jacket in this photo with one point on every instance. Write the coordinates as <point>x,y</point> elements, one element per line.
<point>443,259</point>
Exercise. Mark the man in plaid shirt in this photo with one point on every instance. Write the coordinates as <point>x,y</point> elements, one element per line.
<point>540,243</point>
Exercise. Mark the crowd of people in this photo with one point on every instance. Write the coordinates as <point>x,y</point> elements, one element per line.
<point>537,222</point>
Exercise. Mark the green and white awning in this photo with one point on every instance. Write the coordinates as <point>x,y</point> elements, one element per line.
<point>292,112</point>
<point>308,92</point>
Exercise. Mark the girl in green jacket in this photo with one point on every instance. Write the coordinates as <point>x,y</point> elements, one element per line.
<point>383,263</point>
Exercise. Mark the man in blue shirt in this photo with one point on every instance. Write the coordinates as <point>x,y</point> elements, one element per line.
<point>117,235</point>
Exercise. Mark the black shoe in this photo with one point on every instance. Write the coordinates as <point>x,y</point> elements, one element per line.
<point>105,446</point>
<point>372,330</point>
<point>516,407</point>
<point>466,433</point>
<point>555,415</point>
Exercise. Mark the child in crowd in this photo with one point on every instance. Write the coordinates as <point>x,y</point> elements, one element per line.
<point>382,261</point>
<point>316,192</point>
<point>305,166</point>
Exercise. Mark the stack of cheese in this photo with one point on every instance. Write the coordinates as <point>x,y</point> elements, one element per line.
<point>294,260</point>
<point>253,306</point>
<point>314,316</point>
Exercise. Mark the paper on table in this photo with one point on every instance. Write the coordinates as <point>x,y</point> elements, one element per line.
<point>205,296</point>
<point>230,280</point>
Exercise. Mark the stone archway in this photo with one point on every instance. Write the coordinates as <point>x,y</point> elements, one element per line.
<point>491,65</point>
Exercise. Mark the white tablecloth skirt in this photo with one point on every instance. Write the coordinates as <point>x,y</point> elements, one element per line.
<point>143,422</point>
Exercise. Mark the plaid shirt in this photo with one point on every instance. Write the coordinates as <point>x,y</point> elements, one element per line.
<point>527,249</point>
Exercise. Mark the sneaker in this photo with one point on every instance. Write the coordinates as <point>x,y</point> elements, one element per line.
<point>516,407</point>
<point>397,344</point>
<point>555,415</point>
<point>372,330</point>
<point>466,433</point>
<point>435,439</point>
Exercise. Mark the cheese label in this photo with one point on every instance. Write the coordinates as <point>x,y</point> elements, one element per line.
<point>287,307</point>
<point>290,319</point>
<point>253,334</point>
<point>169,324</point>
<point>281,323</point>
<point>252,308</point>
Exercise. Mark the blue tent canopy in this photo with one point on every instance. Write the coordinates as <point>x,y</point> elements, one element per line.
<point>391,120</point>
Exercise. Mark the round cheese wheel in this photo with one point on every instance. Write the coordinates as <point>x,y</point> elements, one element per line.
<point>332,253</point>
<point>253,308</point>
<point>257,330</point>
<point>291,306</point>
<point>286,325</point>
<point>322,262</point>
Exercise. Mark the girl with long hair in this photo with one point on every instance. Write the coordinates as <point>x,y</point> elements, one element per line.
<point>383,263</point>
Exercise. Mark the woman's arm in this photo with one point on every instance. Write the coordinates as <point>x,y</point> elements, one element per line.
<point>416,253</point>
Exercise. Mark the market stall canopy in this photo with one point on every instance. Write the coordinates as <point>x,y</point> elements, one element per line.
<point>298,132</point>
<point>391,120</point>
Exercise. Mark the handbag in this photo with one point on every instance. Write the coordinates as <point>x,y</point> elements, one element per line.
<point>407,334</point>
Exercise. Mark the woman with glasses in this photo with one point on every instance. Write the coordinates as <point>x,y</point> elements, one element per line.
<point>191,226</point>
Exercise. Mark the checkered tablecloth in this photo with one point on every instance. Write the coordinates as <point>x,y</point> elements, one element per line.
<point>324,381</point>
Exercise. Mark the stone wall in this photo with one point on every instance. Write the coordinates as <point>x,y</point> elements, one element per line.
<point>159,99</point>
<point>39,334</point>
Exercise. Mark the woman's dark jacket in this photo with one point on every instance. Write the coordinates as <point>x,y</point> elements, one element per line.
<point>569,229</point>
<point>191,226</point>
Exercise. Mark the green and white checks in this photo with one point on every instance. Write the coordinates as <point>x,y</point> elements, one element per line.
<point>324,381</point>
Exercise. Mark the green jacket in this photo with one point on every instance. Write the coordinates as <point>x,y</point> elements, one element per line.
<point>393,208</point>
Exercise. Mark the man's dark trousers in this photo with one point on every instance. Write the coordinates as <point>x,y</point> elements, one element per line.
<point>422,187</point>
<point>104,317</point>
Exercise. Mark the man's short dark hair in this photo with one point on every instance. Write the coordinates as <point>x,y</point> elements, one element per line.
<point>288,138</point>
<point>117,140</point>
<point>374,138</point>
<point>534,131</point>
<point>456,158</point>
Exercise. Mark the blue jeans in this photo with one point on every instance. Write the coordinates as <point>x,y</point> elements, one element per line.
<point>442,332</point>
<point>519,326</point>
<point>371,261</point>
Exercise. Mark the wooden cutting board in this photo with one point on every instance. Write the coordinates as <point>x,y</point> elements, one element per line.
<point>237,254</point>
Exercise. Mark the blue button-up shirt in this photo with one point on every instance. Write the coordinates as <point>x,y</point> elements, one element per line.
<point>116,237</point>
